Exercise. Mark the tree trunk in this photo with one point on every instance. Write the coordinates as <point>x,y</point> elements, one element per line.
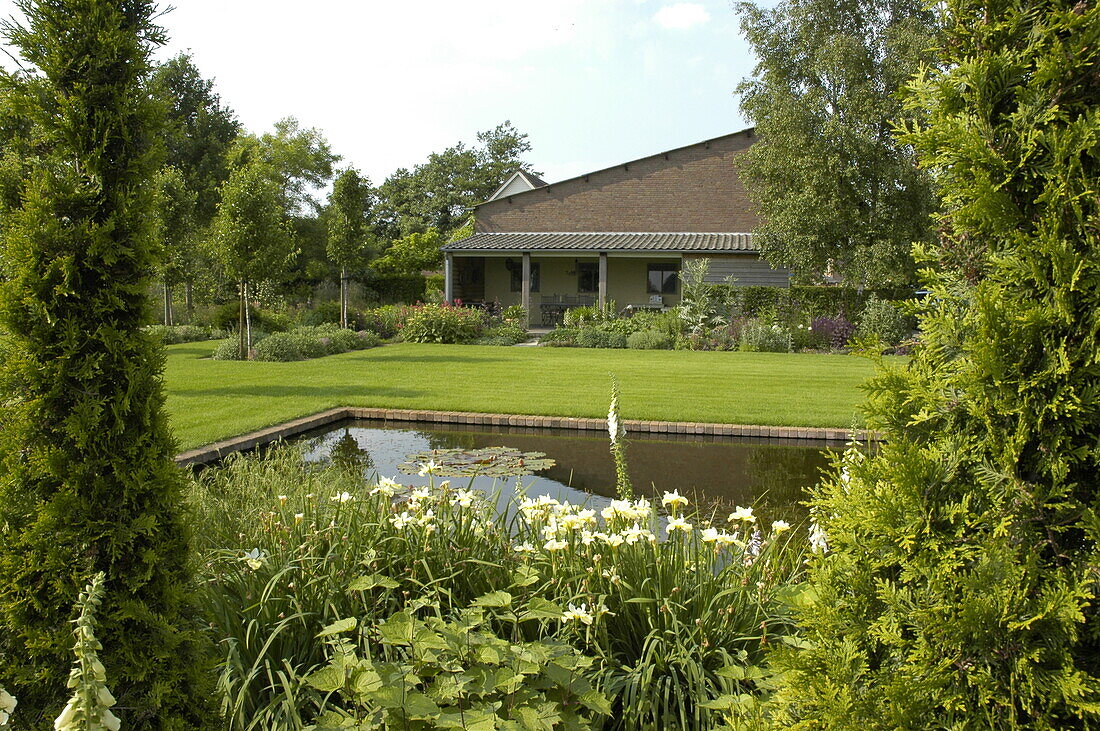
<point>343,297</point>
<point>248,323</point>
<point>242,352</point>
<point>167,303</point>
<point>187,303</point>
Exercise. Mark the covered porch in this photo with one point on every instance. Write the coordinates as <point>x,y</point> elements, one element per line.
<point>547,284</point>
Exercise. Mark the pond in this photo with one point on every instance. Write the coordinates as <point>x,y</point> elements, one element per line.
<point>726,471</point>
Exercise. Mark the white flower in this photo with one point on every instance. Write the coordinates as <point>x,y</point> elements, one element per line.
<point>742,514</point>
<point>401,521</point>
<point>299,517</point>
<point>615,430</point>
<point>254,558</point>
<point>587,537</point>
<point>673,500</point>
<point>819,542</point>
<point>428,468</point>
<point>420,493</point>
<point>464,498</point>
<point>710,535</point>
<point>343,497</point>
<point>67,717</point>
<point>577,614</point>
<point>282,499</point>
<point>617,509</point>
<point>386,487</point>
<point>7,706</point>
<point>778,526</point>
<point>675,524</point>
<point>555,545</point>
<point>524,548</point>
<point>614,540</point>
<point>633,534</point>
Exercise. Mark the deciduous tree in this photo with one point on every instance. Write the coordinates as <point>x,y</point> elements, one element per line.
<point>440,192</point>
<point>349,237</point>
<point>835,189</point>
<point>252,236</point>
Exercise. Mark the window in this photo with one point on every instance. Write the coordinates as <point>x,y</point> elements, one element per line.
<point>588,277</point>
<point>516,271</point>
<point>662,278</point>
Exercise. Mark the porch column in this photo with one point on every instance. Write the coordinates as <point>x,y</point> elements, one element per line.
<point>448,277</point>
<point>603,280</point>
<point>525,289</point>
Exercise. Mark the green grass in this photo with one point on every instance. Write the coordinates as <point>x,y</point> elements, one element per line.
<point>209,400</point>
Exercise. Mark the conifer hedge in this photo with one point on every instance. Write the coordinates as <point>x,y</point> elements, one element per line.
<point>87,482</point>
<point>961,586</point>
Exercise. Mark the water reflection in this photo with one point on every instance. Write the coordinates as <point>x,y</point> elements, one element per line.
<point>712,470</point>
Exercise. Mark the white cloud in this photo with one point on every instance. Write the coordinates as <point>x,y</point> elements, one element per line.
<point>681,15</point>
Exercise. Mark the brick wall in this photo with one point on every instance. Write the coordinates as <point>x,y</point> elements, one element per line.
<point>692,189</point>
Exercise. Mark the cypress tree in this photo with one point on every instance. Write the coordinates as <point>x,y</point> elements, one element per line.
<point>87,482</point>
<point>961,586</point>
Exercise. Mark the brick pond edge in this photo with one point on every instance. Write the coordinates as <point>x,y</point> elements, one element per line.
<point>216,451</point>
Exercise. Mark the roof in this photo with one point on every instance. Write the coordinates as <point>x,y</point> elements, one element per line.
<point>604,241</point>
<point>537,183</point>
<point>530,179</point>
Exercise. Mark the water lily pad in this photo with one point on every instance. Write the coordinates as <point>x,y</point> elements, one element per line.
<point>487,462</point>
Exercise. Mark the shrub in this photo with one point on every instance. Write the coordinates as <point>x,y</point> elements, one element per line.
<point>386,321</point>
<point>277,347</point>
<point>600,336</point>
<point>882,321</point>
<point>442,324</point>
<point>176,334</point>
<point>560,336</point>
<point>323,313</point>
<point>226,318</point>
<point>227,350</point>
<point>503,335</point>
<point>758,337</point>
<point>513,315</point>
<point>649,340</point>
<point>312,342</point>
<point>589,315</point>
<point>833,332</point>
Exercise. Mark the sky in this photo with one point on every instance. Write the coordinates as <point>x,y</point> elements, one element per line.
<point>592,82</point>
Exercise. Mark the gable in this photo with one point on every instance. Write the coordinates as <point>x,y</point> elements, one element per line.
<point>693,189</point>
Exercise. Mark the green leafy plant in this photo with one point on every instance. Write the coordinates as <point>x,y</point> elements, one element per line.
<point>757,336</point>
<point>457,673</point>
<point>703,305</point>
<point>442,324</point>
<point>882,322</point>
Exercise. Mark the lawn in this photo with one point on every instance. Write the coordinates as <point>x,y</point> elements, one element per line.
<point>210,400</point>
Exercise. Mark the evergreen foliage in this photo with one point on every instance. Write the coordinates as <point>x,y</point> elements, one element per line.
<point>87,482</point>
<point>835,190</point>
<point>961,589</point>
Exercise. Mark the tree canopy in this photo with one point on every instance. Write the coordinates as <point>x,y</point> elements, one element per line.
<point>198,132</point>
<point>438,194</point>
<point>836,191</point>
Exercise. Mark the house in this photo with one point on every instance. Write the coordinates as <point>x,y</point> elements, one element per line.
<point>620,234</point>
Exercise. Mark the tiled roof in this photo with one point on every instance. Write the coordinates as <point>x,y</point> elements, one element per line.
<point>612,241</point>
